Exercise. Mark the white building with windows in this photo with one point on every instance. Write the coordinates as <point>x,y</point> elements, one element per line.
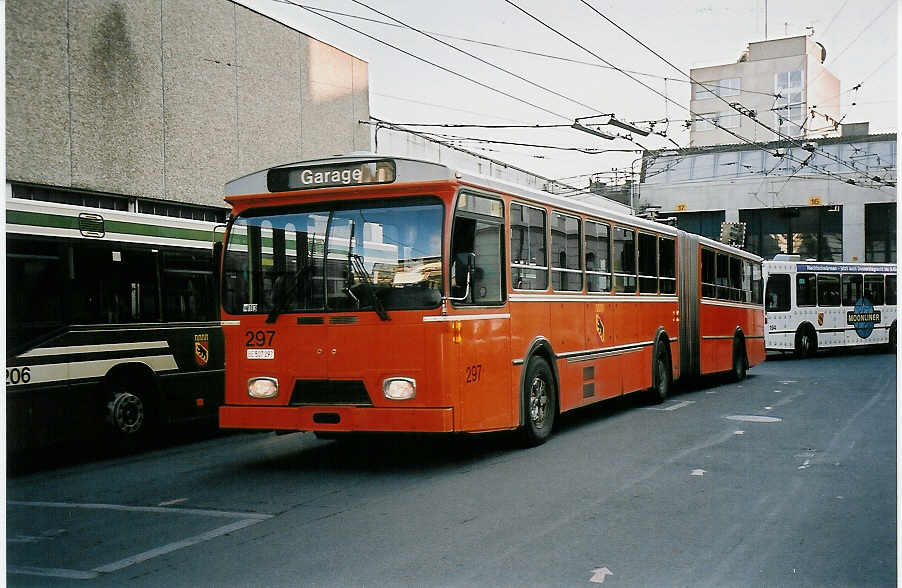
<point>783,81</point>
<point>767,152</point>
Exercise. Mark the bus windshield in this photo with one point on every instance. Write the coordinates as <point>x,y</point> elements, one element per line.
<point>335,257</point>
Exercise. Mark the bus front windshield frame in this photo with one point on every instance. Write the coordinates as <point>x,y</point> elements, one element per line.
<point>373,255</point>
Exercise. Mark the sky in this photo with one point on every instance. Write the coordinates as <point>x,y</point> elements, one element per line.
<point>860,37</point>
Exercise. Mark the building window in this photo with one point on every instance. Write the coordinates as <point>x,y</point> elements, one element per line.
<point>789,108</point>
<point>728,120</point>
<point>706,223</point>
<point>880,232</point>
<point>704,122</point>
<point>813,232</point>
<point>724,88</point>
<point>729,87</point>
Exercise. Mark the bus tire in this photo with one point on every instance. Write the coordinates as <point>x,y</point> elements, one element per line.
<point>662,375</point>
<point>539,404</point>
<point>740,361</point>
<point>891,347</point>
<point>806,342</point>
<point>129,409</point>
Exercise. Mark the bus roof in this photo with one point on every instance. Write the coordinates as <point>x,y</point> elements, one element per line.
<point>406,169</point>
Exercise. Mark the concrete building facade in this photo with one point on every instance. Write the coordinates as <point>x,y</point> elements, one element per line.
<point>783,81</point>
<point>839,206</point>
<point>164,101</point>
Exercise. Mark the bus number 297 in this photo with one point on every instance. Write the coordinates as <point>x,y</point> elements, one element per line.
<point>474,372</point>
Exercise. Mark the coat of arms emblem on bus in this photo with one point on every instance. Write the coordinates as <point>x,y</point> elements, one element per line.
<point>820,319</point>
<point>863,318</point>
<point>202,349</point>
<point>599,327</point>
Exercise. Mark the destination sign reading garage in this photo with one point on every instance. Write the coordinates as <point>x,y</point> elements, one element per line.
<point>360,173</point>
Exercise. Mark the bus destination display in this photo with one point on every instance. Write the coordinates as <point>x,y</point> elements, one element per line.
<point>330,176</point>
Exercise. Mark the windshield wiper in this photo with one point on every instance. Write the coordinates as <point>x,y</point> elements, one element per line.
<point>360,269</point>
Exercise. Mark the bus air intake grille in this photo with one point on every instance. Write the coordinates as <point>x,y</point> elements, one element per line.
<point>330,392</point>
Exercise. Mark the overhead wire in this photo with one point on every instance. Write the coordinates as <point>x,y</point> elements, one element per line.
<point>731,105</point>
<point>504,47</point>
<point>432,63</point>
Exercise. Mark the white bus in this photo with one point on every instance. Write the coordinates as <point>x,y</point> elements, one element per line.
<point>811,305</point>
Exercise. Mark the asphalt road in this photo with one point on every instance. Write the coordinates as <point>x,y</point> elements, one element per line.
<point>785,479</point>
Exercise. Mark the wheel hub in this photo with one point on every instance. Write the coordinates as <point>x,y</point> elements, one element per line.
<point>126,412</point>
<point>538,402</point>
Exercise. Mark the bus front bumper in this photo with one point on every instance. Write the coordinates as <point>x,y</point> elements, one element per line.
<point>337,418</point>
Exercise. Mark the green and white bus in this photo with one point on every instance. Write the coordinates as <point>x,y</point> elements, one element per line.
<point>111,318</point>
<point>811,305</point>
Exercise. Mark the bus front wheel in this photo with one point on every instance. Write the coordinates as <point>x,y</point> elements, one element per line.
<point>806,342</point>
<point>539,404</point>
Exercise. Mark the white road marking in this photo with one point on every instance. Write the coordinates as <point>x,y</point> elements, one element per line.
<point>245,520</point>
<point>739,432</point>
<point>751,418</point>
<point>789,381</point>
<point>698,473</point>
<point>100,506</point>
<point>144,556</point>
<point>171,502</point>
<point>672,407</point>
<point>51,572</point>
<point>599,574</point>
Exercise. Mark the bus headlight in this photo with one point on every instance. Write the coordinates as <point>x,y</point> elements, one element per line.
<point>399,388</point>
<point>263,387</point>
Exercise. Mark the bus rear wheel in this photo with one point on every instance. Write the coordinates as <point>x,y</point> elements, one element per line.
<point>740,362</point>
<point>539,405</point>
<point>129,411</point>
<point>806,342</point>
<point>663,377</point>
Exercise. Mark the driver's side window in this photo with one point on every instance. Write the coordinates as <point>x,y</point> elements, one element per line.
<point>478,229</point>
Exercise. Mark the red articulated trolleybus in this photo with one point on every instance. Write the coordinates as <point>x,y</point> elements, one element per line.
<point>369,293</point>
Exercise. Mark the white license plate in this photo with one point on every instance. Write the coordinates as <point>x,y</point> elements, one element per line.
<point>261,353</point>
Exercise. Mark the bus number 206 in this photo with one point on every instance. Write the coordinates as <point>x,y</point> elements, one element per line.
<point>18,375</point>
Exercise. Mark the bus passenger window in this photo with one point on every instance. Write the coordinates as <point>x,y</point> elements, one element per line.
<point>735,279</point>
<point>851,289</point>
<point>723,276</point>
<point>806,290</point>
<point>828,290</point>
<point>529,268</point>
<point>777,295</point>
<point>598,251</point>
<point>624,260</point>
<point>873,289</point>
<point>890,291</point>
<point>708,274</point>
<point>667,265</point>
<point>648,264</point>
<point>565,253</point>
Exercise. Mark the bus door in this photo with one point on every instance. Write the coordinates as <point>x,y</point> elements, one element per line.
<point>483,332</point>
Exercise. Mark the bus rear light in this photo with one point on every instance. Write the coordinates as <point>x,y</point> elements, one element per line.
<point>399,388</point>
<point>263,387</point>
